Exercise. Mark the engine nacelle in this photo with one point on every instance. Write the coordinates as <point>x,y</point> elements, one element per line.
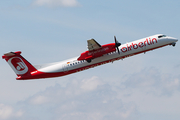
<point>89,55</point>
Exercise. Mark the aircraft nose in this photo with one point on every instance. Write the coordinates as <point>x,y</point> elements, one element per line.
<point>176,39</point>
<point>173,39</point>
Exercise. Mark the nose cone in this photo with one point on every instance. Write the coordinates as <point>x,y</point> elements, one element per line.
<point>173,39</point>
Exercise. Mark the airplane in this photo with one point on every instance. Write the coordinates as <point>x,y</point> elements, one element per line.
<point>96,55</point>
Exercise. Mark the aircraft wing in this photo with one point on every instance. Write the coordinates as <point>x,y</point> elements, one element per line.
<point>93,45</point>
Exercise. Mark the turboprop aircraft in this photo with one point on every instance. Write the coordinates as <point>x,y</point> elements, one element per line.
<point>95,55</point>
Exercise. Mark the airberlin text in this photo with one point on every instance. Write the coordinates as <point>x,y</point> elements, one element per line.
<point>139,45</point>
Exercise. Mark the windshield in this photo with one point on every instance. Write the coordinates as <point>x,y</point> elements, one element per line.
<point>161,36</point>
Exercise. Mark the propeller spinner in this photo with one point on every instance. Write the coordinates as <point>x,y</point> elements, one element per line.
<point>117,44</point>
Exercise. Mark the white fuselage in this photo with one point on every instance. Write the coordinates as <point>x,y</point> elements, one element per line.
<point>126,50</point>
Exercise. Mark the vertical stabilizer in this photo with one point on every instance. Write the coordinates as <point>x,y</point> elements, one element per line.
<point>19,64</point>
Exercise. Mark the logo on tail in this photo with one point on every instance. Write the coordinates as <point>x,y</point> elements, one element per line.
<point>18,65</point>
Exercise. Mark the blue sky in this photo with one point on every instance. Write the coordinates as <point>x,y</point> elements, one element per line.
<point>145,86</point>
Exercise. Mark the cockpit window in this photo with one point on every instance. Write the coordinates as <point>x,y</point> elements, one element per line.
<point>161,36</point>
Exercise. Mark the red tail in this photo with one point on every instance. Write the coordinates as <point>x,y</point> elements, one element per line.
<point>19,64</point>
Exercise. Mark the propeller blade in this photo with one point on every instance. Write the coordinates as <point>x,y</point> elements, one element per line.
<point>118,50</point>
<point>117,44</point>
<point>115,39</point>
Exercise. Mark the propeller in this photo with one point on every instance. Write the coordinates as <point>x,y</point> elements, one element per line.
<point>117,44</point>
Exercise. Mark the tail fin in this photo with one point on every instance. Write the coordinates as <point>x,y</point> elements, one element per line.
<point>19,64</point>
